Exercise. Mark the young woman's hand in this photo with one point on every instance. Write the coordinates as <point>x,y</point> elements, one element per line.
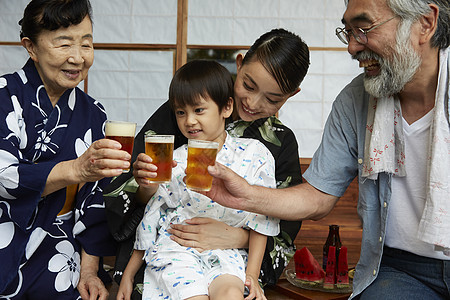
<point>205,234</point>
<point>255,291</point>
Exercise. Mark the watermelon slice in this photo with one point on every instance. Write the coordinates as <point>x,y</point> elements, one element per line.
<point>330,274</point>
<point>342,269</point>
<point>307,268</point>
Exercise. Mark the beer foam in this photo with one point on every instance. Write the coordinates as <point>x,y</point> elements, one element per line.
<point>203,144</point>
<point>160,139</point>
<point>120,129</point>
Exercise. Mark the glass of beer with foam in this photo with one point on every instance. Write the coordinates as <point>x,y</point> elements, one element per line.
<point>160,149</point>
<point>123,132</point>
<point>201,154</point>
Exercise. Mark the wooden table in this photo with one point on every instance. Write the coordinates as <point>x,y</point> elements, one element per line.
<point>286,288</point>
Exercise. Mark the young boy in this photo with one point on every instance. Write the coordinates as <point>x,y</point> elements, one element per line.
<point>201,96</point>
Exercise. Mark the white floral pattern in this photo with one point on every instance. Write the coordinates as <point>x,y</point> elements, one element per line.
<point>72,100</point>
<point>16,123</point>
<point>3,82</point>
<point>82,145</point>
<point>44,140</point>
<point>9,174</point>
<point>35,240</point>
<point>37,135</point>
<point>67,264</point>
<point>6,233</point>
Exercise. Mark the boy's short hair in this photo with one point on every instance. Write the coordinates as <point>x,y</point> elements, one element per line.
<point>205,78</point>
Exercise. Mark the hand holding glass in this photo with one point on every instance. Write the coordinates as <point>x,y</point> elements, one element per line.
<point>160,149</point>
<point>201,154</point>
<point>123,132</point>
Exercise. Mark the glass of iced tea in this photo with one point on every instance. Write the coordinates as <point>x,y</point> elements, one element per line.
<point>160,149</point>
<point>201,154</point>
<point>123,132</point>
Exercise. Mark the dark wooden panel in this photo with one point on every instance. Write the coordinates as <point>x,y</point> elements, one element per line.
<point>313,235</point>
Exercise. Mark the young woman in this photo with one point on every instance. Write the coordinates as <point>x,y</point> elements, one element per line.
<point>267,76</point>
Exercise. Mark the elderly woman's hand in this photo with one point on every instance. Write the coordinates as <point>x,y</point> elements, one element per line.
<point>90,285</point>
<point>102,159</point>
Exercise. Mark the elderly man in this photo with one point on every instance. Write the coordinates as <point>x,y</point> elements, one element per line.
<point>390,127</point>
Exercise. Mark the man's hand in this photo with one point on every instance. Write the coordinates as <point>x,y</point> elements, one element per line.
<point>299,202</point>
<point>228,188</point>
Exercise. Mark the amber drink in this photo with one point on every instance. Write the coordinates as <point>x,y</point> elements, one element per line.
<point>201,154</point>
<point>160,149</point>
<point>123,132</point>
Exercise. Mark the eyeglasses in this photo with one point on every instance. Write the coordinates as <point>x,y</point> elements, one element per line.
<point>359,34</point>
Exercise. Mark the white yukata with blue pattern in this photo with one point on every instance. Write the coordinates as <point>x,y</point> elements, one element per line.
<point>176,272</point>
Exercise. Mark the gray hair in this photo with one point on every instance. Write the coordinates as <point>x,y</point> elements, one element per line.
<point>413,10</point>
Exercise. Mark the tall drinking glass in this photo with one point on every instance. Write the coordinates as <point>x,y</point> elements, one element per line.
<point>201,154</point>
<point>123,132</point>
<point>160,149</point>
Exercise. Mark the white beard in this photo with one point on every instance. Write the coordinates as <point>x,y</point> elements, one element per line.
<point>396,72</point>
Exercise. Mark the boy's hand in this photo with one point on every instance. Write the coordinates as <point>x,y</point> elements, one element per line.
<point>255,291</point>
<point>144,169</point>
<point>125,289</point>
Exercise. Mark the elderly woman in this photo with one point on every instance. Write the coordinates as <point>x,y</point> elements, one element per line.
<point>54,161</point>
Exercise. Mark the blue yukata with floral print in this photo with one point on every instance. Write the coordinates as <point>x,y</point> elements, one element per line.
<point>38,241</point>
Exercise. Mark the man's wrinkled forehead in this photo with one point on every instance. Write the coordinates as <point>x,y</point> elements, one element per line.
<point>363,17</point>
<point>364,11</point>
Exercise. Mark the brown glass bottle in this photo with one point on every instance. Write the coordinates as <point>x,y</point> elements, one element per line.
<point>333,239</point>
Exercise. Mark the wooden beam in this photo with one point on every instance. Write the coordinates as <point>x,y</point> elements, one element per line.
<point>178,46</point>
<point>125,46</point>
<point>182,19</point>
<point>305,160</point>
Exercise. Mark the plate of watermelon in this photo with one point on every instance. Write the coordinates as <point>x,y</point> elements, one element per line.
<point>308,273</point>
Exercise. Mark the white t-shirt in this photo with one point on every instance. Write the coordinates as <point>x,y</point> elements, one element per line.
<point>409,192</point>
